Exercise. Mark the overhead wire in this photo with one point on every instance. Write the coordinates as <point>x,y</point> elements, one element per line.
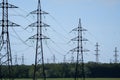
<point>51,28</point>
<point>20,38</point>
<point>25,17</point>
<point>51,49</point>
<point>52,40</point>
<point>67,43</point>
<point>57,50</point>
<point>89,33</point>
<point>57,31</point>
<point>59,25</point>
<point>57,22</point>
<point>93,36</point>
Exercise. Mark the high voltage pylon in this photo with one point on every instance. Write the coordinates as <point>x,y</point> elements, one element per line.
<point>22,59</point>
<point>79,49</point>
<point>116,55</point>
<point>54,59</point>
<point>97,54</point>
<point>5,48</point>
<point>72,58</point>
<point>39,56</point>
<point>16,60</point>
<point>64,59</point>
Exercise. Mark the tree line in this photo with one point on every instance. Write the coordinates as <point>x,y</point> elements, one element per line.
<point>66,70</point>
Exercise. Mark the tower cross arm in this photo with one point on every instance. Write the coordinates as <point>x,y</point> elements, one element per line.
<point>7,5</point>
<point>76,39</point>
<point>9,23</point>
<point>116,55</point>
<point>35,25</point>
<point>38,37</point>
<point>76,49</point>
<point>79,29</point>
<point>38,12</point>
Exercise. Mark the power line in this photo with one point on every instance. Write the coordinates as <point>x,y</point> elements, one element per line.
<point>57,22</point>
<point>20,38</point>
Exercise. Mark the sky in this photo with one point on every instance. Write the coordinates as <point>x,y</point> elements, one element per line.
<point>100,18</point>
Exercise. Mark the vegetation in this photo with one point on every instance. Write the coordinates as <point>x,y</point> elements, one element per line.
<point>73,79</point>
<point>66,70</point>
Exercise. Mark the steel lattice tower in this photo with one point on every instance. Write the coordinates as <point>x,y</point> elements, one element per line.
<point>79,49</point>
<point>54,59</point>
<point>72,58</point>
<point>97,54</point>
<point>5,48</point>
<point>39,57</point>
<point>22,59</point>
<point>16,60</point>
<point>116,55</point>
<point>64,59</point>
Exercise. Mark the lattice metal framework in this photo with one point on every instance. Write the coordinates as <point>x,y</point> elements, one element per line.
<point>97,52</point>
<point>39,37</point>
<point>5,48</point>
<point>116,55</point>
<point>80,50</point>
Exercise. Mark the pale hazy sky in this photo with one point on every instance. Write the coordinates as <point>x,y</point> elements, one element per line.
<point>100,17</point>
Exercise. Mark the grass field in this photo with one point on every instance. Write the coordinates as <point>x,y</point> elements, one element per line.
<point>73,79</point>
